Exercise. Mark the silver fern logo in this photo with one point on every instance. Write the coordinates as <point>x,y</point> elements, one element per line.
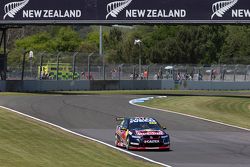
<point>12,8</point>
<point>219,8</point>
<point>114,8</point>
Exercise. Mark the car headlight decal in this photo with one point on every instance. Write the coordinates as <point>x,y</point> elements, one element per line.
<point>136,137</point>
<point>163,137</point>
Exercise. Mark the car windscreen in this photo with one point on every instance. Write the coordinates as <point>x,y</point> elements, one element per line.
<point>144,125</point>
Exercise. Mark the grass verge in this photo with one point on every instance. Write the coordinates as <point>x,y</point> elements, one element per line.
<point>233,111</point>
<point>27,143</point>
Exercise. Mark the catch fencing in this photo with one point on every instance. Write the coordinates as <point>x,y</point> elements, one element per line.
<point>93,67</point>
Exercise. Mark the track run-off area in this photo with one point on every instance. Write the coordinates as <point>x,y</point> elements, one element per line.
<point>194,142</point>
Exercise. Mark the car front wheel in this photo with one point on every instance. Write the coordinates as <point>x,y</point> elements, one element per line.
<point>116,140</point>
<point>128,143</point>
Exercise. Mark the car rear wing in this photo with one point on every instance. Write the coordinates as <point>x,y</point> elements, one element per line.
<point>119,119</point>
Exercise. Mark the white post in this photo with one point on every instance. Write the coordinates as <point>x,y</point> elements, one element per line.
<point>31,55</point>
<point>138,42</point>
<point>101,51</point>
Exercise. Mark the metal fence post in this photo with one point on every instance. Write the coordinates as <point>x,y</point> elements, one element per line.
<point>104,72</point>
<point>57,65</point>
<point>119,72</point>
<point>5,54</point>
<point>160,73</point>
<point>211,74</point>
<point>133,72</point>
<point>99,70</point>
<point>41,65</point>
<point>234,72</point>
<point>23,64</point>
<point>246,72</point>
<point>147,72</point>
<point>89,64</point>
<point>245,78</point>
<point>74,65</point>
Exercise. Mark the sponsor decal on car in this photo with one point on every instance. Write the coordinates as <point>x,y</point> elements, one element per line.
<point>144,132</point>
<point>151,141</point>
<point>136,120</point>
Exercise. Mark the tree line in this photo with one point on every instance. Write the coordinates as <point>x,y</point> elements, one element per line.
<point>161,44</point>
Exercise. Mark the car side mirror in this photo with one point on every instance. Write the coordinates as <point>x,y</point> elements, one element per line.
<point>123,129</point>
<point>164,128</point>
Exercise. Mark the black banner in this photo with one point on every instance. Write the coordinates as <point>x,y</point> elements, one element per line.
<point>123,11</point>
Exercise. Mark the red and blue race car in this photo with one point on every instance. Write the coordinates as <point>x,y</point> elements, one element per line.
<point>140,133</point>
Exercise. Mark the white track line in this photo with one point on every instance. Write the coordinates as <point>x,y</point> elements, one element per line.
<point>86,137</point>
<point>204,119</point>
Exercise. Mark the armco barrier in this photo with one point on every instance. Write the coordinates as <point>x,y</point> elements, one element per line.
<point>214,85</point>
<point>104,85</point>
<point>35,86</point>
<point>167,84</point>
<point>140,85</point>
<point>46,85</point>
<point>2,86</point>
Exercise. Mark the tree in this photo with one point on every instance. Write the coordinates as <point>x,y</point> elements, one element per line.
<point>236,48</point>
<point>161,44</point>
<point>67,40</point>
<point>39,42</point>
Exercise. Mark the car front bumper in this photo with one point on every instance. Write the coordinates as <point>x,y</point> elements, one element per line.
<point>150,148</point>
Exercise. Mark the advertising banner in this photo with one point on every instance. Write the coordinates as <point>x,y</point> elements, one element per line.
<point>124,11</point>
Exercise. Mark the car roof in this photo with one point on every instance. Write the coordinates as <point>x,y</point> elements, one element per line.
<point>146,119</point>
<point>139,117</point>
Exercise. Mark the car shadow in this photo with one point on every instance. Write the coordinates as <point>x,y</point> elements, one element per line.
<point>152,150</point>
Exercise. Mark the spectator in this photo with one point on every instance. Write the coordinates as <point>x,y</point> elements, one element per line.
<point>191,75</point>
<point>140,76</point>
<point>131,76</point>
<point>213,74</point>
<point>113,74</point>
<point>90,76</point>
<point>145,74</point>
<point>200,76</point>
<point>156,76</point>
<point>137,76</point>
<point>83,75</point>
<point>46,76</point>
<point>223,74</point>
<point>1,73</point>
<point>160,75</point>
<point>178,76</point>
<point>43,76</point>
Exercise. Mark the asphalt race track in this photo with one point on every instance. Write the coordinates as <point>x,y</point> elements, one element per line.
<point>194,143</point>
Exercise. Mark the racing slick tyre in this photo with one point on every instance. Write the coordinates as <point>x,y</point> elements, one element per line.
<point>128,143</point>
<point>116,141</point>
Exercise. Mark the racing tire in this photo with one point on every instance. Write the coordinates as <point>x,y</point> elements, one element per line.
<point>128,143</point>
<point>168,148</point>
<point>116,141</point>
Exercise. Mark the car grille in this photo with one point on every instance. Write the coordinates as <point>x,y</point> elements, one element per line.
<point>151,137</point>
<point>152,144</point>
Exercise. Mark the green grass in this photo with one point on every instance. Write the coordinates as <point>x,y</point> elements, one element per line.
<point>234,111</point>
<point>14,94</point>
<point>27,143</point>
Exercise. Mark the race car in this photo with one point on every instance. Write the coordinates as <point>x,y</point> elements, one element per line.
<point>140,133</point>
